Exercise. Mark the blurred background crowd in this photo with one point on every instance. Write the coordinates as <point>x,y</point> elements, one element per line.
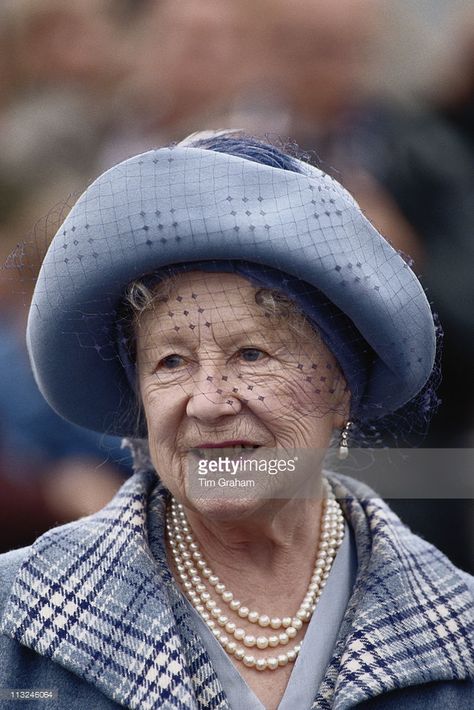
<point>380,93</point>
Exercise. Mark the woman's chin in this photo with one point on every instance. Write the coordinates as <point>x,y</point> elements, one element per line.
<point>227,507</point>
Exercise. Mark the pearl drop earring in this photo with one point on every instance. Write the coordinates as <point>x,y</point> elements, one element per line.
<point>343,452</point>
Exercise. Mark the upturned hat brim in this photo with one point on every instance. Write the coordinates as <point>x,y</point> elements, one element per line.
<point>175,205</point>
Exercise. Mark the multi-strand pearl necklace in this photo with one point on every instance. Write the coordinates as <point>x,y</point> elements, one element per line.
<point>197,578</point>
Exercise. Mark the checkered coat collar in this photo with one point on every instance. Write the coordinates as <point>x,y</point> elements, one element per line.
<point>96,596</point>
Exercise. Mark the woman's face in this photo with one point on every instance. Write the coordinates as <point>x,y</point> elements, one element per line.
<point>217,371</point>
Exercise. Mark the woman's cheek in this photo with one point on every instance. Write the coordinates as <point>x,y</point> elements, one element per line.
<point>298,393</point>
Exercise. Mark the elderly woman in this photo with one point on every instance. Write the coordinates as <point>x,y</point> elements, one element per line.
<point>229,310</point>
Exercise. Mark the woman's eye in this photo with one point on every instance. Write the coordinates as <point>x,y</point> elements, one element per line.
<point>252,354</point>
<point>170,362</point>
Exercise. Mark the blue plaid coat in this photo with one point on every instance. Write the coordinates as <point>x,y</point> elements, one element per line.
<point>91,610</point>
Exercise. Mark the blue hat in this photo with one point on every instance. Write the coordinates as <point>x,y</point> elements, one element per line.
<point>186,204</point>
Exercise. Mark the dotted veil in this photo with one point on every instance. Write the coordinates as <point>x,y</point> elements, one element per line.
<point>225,270</point>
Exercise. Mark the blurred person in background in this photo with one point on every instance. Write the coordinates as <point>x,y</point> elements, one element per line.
<point>190,59</point>
<point>50,471</point>
<point>58,104</point>
<point>59,75</point>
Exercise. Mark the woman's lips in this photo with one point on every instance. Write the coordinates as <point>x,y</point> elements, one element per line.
<point>223,448</point>
<point>225,444</point>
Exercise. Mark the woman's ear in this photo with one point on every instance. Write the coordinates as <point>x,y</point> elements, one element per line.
<point>342,402</point>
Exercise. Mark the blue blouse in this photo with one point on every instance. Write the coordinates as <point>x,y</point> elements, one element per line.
<point>317,647</point>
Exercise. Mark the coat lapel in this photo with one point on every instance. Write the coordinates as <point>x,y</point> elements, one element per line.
<point>92,597</point>
<point>410,620</point>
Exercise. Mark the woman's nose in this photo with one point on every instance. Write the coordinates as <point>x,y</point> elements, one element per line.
<point>212,398</point>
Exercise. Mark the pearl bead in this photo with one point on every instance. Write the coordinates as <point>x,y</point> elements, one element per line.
<point>211,623</point>
<point>297,623</point>
<point>205,616</point>
<point>220,587</point>
<point>243,612</point>
<point>272,663</point>
<point>222,619</point>
<point>211,604</point>
<point>282,659</point>
<point>231,647</point>
<point>283,638</point>
<point>205,596</point>
<point>235,604</point>
<point>239,653</point>
<point>239,634</point>
<point>291,655</point>
<point>227,596</point>
<point>253,617</point>
<point>291,632</point>
<point>249,661</point>
<point>262,642</point>
<point>286,621</point>
<point>261,664</point>
<point>264,620</point>
<point>273,641</point>
<point>275,622</point>
<point>213,580</point>
<point>230,627</point>
<point>249,640</point>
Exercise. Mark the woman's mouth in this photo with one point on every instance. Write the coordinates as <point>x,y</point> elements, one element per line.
<point>226,449</point>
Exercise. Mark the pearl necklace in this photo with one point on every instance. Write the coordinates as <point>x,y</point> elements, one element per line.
<point>194,571</point>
